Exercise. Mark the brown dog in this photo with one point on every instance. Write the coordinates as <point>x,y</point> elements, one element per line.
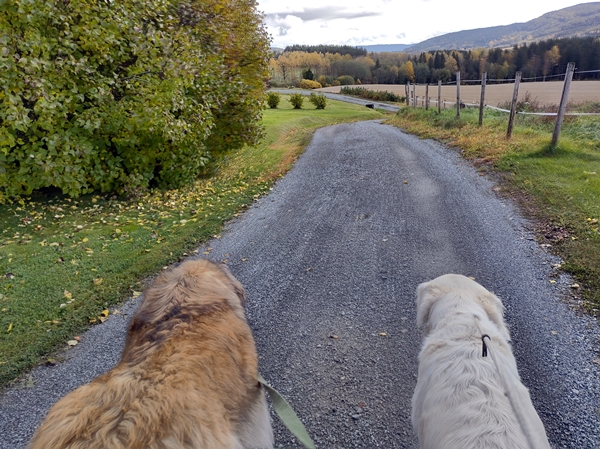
<point>186,379</point>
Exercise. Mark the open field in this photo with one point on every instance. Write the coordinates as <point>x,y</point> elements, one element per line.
<point>546,94</point>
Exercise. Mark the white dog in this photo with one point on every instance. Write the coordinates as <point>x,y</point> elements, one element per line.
<point>460,400</point>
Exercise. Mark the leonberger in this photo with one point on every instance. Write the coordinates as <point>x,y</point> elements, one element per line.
<point>460,399</point>
<point>186,378</point>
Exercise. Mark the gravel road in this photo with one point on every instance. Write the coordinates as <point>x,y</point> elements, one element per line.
<point>331,259</point>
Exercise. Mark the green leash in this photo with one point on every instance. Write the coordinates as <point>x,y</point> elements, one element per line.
<point>287,414</point>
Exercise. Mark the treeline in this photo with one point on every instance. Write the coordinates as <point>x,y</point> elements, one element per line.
<point>538,61</point>
<point>355,52</point>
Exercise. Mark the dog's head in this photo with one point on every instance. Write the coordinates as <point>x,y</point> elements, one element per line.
<point>195,288</point>
<point>451,292</point>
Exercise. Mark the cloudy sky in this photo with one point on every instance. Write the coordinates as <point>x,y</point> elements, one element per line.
<point>368,22</point>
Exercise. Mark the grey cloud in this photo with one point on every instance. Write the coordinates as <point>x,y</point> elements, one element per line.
<point>323,13</point>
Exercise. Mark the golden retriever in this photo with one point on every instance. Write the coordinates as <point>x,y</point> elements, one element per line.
<point>186,378</point>
<point>459,400</point>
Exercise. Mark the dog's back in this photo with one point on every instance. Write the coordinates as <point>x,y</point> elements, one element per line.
<point>186,379</point>
<point>460,400</point>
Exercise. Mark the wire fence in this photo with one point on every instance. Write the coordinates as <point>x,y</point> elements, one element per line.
<point>426,100</point>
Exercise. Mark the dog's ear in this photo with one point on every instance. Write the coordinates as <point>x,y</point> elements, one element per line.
<point>495,311</point>
<point>426,297</point>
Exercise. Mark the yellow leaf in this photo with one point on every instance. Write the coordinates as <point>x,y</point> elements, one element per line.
<point>72,342</point>
<point>383,334</point>
<point>136,294</point>
<point>85,240</point>
<point>98,281</point>
<point>104,313</point>
<point>552,281</point>
<point>10,326</point>
<point>68,294</point>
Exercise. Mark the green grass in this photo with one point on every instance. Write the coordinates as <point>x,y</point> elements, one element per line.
<point>64,261</point>
<point>559,187</point>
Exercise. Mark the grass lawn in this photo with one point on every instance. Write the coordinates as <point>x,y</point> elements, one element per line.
<point>64,262</point>
<point>559,188</point>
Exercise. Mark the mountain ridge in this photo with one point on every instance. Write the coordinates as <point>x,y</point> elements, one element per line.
<point>574,21</point>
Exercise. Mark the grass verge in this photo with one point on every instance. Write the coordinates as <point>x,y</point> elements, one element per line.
<point>558,187</point>
<point>64,262</point>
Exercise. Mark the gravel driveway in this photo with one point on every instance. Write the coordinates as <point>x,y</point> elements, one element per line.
<point>331,259</point>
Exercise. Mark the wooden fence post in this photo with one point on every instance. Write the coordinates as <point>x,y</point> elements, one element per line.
<point>427,96</point>
<point>415,95</point>
<point>458,94</point>
<point>407,90</point>
<point>482,99</point>
<point>563,103</point>
<point>513,106</point>
<point>439,96</point>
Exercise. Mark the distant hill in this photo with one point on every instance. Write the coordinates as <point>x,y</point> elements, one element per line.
<point>386,47</point>
<point>575,21</point>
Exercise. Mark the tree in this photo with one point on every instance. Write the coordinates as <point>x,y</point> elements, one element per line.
<point>112,96</point>
<point>551,58</point>
<point>409,71</point>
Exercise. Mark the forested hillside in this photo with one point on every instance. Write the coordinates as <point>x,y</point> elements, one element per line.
<point>537,61</point>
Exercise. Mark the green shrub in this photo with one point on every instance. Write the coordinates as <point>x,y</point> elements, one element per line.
<point>297,100</point>
<point>368,94</point>
<point>308,84</point>
<point>336,83</point>
<point>319,100</point>
<point>346,80</point>
<point>124,96</point>
<point>273,99</point>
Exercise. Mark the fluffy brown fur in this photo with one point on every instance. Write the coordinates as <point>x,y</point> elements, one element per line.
<point>186,379</point>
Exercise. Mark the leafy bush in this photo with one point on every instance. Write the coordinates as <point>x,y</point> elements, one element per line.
<point>336,83</point>
<point>319,100</point>
<point>308,84</point>
<point>273,99</point>
<point>297,100</point>
<point>129,95</point>
<point>346,80</point>
<point>368,94</point>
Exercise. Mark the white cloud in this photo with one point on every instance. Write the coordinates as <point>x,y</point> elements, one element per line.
<point>355,22</point>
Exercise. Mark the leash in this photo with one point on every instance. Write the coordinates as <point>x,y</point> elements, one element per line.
<point>287,414</point>
<point>511,384</point>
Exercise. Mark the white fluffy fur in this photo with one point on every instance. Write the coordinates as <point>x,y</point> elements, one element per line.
<point>459,401</point>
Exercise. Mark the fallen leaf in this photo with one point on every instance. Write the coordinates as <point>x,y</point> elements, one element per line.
<point>136,294</point>
<point>68,294</point>
<point>77,338</point>
<point>98,281</point>
<point>10,327</point>
<point>575,286</point>
<point>72,342</point>
<point>383,334</point>
<point>552,281</point>
<point>104,313</point>
<point>553,332</point>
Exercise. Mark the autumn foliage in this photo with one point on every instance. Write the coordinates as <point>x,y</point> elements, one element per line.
<point>116,96</point>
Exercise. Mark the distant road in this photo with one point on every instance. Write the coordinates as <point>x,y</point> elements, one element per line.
<point>336,96</point>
